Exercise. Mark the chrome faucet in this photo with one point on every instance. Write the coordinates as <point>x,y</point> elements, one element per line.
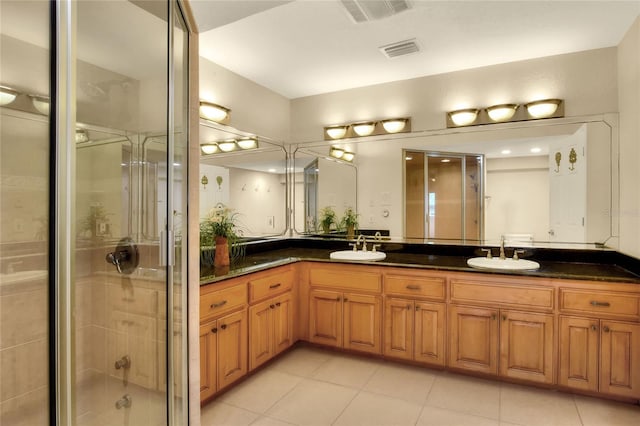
<point>502,255</point>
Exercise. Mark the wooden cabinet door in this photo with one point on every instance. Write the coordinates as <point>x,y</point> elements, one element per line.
<point>429,333</point>
<point>261,332</point>
<point>282,323</point>
<point>232,348</point>
<point>208,353</point>
<point>398,328</point>
<point>620,358</point>
<point>362,322</point>
<point>578,358</point>
<point>325,317</point>
<point>526,346</point>
<point>473,338</point>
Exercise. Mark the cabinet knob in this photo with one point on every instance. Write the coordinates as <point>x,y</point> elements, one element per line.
<point>605,329</point>
<point>338,299</point>
<point>417,308</point>
<point>493,316</point>
<point>594,327</point>
<point>223,326</point>
<point>278,304</point>
<point>272,306</point>
<point>214,330</point>
<point>345,299</point>
<point>408,306</point>
<point>504,318</point>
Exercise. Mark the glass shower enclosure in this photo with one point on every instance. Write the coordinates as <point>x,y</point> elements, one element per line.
<point>94,213</point>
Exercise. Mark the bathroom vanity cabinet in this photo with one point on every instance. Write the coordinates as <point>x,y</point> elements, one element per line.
<point>578,335</point>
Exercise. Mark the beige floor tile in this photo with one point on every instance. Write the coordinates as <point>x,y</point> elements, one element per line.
<point>368,409</point>
<point>530,406</point>
<point>313,403</point>
<point>599,412</point>
<point>301,361</point>
<point>466,395</point>
<point>261,391</point>
<point>433,416</point>
<point>347,371</point>
<point>408,383</point>
<point>219,413</point>
<point>268,421</point>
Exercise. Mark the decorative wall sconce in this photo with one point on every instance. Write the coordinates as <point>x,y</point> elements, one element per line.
<point>7,95</point>
<point>337,152</point>
<point>367,128</point>
<point>214,112</point>
<point>503,113</point>
<point>229,146</point>
<point>204,181</point>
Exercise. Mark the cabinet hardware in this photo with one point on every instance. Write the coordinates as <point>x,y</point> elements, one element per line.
<point>272,306</point>
<point>504,318</point>
<point>413,287</point>
<point>408,307</point>
<point>345,299</point>
<point>278,304</point>
<point>217,305</point>
<point>605,329</point>
<point>275,285</point>
<point>338,299</point>
<point>493,316</point>
<point>214,330</point>
<point>596,303</point>
<point>417,308</point>
<point>223,326</point>
<point>594,327</point>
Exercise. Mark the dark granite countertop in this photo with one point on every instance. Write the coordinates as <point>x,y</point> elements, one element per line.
<point>596,265</point>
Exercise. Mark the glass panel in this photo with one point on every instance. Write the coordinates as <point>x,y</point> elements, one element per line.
<point>415,195</point>
<point>121,185</point>
<point>444,186</point>
<point>24,213</point>
<point>473,197</point>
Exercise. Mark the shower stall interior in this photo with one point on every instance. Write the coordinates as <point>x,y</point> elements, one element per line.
<point>93,228</point>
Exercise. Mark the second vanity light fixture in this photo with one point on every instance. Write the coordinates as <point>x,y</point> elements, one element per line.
<point>229,145</point>
<point>367,128</point>
<point>214,112</point>
<point>337,152</point>
<point>503,113</point>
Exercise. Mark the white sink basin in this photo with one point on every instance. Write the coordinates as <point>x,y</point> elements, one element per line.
<point>357,255</point>
<point>503,264</point>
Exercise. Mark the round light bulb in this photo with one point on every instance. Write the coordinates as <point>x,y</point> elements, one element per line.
<point>7,95</point>
<point>463,117</point>
<point>209,148</point>
<point>213,112</point>
<point>394,125</point>
<point>336,132</point>
<point>227,146</point>
<point>364,129</point>
<point>337,152</point>
<point>41,103</point>
<point>543,109</point>
<point>502,112</point>
<point>348,156</point>
<point>248,143</point>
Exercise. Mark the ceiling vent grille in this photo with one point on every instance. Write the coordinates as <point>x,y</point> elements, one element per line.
<point>371,10</point>
<point>400,48</point>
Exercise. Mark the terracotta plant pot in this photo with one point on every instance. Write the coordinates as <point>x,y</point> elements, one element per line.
<point>221,258</point>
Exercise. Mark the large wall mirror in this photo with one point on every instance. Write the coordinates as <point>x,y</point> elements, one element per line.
<point>247,174</point>
<point>542,182</point>
<point>322,183</point>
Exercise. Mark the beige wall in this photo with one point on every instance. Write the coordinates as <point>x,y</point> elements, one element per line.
<point>629,107</point>
<point>586,80</point>
<point>254,108</point>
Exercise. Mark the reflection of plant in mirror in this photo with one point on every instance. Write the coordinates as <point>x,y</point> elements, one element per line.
<point>96,223</point>
<point>327,218</point>
<point>349,222</point>
<point>219,181</point>
<point>220,222</point>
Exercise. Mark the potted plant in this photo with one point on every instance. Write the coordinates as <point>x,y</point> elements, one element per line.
<point>219,228</point>
<point>349,222</point>
<point>327,218</point>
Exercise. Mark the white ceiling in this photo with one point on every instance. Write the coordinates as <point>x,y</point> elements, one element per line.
<point>307,47</point>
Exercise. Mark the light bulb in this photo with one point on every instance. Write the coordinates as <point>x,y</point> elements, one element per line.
<point>227,146</point>
<point>248,143</point>
<point>502,112</point>
<point>336,132</point>
<point>213,112</point>
<point>394,125</point>
<point>364,129</point>
<point>348,156</point>
<point>7,95</point>
<point>463,117</point>
<point>543,109</point>
<point>209,148</point>
<point>337,152</point>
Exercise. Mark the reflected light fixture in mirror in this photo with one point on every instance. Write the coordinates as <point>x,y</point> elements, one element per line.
<point>209,148</point>
<point>227,146</point>
<point>336,152</point>
<point>364,129</point>
<point>394,125</point>
<point>248,143</point>
<point>41,103</point>
<point>7,95</point>
<point>81,136</point>
<point>543,108</point>
<point>336,132</point>
<point>213,112</point>
<point>463,117</point>
<point>348,156</point>
<point>502,112</point>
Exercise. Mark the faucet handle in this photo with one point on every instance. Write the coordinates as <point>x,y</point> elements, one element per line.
<point>515,253</point>
<point>364,244</point>
<point>488,250</point>
<point>354,245</point>
<point>375,246</point>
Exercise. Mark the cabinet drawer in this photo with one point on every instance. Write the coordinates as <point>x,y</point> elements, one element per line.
<point>346,278</point>
<point>268,285</point>
<point>600,302</point>
<point>522,295</point>
<point>221,301</point>
<point>407,285</point>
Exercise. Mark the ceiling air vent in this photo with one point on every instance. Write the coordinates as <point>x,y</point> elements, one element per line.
<point>400,48</point>
<point>370,10</point>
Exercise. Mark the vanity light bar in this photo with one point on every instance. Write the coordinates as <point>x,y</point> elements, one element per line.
<point>505,113</point>
<point>337,152</point>
<point>367,128</point>
<point>229,145</point>
<point>214,112</point>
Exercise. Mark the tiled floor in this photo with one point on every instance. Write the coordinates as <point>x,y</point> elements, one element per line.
<point>310,386</point>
